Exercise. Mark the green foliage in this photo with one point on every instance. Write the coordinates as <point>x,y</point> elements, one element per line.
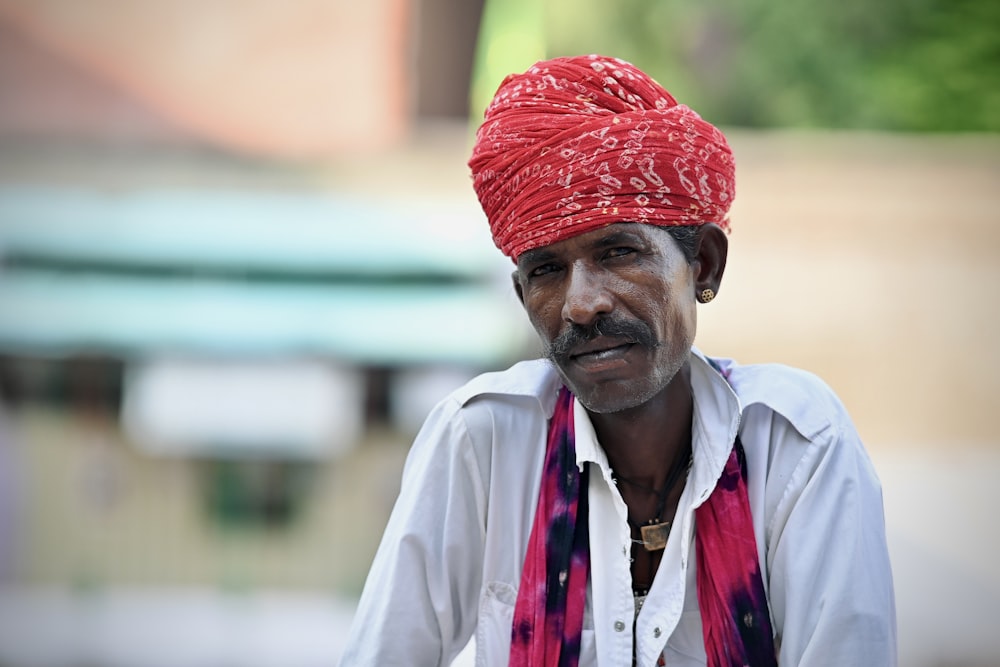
<point>907,65</point>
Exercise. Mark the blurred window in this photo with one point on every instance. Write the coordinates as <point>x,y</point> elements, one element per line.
<point>255,494</point>
<point>79,383</point>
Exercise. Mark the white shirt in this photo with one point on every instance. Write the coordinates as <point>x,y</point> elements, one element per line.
<point>450,560</point>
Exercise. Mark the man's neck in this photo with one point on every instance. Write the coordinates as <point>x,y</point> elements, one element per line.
<point>642,443</point>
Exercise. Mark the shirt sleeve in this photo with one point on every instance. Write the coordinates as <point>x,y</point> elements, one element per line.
<point>419,602</point>
<point>830,582</point>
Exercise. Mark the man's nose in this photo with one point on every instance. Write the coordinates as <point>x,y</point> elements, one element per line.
<point>587,297</point>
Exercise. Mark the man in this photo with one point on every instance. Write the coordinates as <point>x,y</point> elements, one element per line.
<point>626,500</point>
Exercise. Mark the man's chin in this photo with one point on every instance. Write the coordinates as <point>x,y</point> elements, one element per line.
<point>607,397</point>
<point>613,392</point>
<point>609,406</point>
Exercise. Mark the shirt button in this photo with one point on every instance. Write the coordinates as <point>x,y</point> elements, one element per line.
<point>656,632</point>
<point>619,626</point>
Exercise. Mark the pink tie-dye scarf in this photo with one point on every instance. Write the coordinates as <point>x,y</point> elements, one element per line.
<point>548,614</point>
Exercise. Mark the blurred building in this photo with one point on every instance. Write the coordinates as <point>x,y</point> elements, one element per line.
<point>238,264</point>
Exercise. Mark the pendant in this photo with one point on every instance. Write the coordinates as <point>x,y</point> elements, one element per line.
<point>654,535</point>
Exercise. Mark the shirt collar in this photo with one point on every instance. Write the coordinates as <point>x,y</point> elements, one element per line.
<point>714,427</point>
<point>535,378</point>
<point>716,422</point>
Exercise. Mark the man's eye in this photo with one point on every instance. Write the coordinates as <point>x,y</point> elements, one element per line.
<point>542,270</point>
<point>619,252</point>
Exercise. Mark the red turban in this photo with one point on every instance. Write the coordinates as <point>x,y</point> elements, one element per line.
<point>575,144</point>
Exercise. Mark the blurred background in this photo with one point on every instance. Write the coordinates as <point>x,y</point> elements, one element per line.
<point>240,259</point>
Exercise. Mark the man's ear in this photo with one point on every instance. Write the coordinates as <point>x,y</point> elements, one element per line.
<point>517,287</point>
<point>710,258</point>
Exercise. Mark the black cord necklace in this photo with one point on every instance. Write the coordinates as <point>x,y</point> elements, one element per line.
<point>655,532</point>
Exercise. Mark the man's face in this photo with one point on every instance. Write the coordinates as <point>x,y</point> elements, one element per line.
<point>615,309</point>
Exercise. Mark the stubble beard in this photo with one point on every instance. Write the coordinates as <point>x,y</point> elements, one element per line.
<point>618,396</point>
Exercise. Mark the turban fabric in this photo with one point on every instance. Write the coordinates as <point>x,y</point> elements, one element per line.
<point>575,144</point>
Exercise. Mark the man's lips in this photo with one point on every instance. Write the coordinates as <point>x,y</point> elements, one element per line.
<point>601,349</point>
<point>578,343</point>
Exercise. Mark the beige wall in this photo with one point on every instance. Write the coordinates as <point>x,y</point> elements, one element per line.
<point>871,260</point>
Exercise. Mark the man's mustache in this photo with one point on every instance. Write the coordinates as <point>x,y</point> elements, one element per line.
<point>634,331</point>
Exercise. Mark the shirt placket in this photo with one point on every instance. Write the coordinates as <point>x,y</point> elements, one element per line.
<point>614,609</point>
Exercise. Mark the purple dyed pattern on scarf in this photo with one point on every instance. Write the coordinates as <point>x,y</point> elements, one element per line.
<point>736,623</point>
<point>548,614</point>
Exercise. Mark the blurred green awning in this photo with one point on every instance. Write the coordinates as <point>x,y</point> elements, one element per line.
<point>372,324</point>
<point>250,275</point>
<point>272,232</point>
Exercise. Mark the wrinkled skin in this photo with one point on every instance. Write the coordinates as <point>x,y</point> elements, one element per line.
<point>615,309</point>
